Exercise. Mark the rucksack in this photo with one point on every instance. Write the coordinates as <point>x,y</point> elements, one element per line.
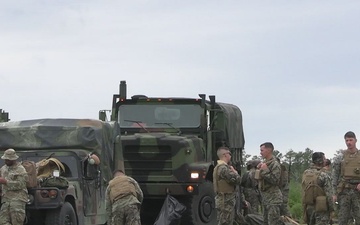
<point>30,168</point>
<point>284,178</point>
<point>310,186</point>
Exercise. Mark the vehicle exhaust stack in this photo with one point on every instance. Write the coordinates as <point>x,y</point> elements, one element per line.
<point>122,89</point>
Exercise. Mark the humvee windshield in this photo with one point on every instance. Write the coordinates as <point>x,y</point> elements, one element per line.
<point>159,115</point>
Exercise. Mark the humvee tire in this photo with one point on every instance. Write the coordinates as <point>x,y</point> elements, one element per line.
<point>63,216</point>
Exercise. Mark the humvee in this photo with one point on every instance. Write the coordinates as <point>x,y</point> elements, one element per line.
<point>169,146</point>
<point>71,141</point>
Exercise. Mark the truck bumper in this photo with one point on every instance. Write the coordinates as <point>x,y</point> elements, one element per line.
<point>161,189</point>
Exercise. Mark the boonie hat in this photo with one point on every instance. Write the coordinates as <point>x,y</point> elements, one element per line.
<point>10,154</point>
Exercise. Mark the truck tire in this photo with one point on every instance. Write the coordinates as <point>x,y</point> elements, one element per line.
<point>63,216</point>
<point>200,209</point>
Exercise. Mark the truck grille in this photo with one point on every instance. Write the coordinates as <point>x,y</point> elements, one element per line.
<point>147,160</point>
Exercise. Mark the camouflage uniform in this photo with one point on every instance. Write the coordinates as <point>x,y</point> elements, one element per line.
<point>251,191</point>
<point>284,188</point>
<point>270,191</point>
<point>225,198</point>
<point>124,209</point>
<point>14,195</point>
<point>324,182</point>
<point>347,195</point>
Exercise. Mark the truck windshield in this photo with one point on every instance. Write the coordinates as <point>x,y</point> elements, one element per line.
<point>160,115</point>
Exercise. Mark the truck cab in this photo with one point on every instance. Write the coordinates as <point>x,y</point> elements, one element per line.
<point>169,146</point>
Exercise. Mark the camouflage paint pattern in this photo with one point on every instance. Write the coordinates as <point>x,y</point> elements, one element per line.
<point>348,198</point>
<point>324,182</point>
<point>271,194</point>
<point>14,195</point>
<point>161,158</point>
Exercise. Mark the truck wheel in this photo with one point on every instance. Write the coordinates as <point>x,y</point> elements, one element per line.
<point>200,209</point>
<point>63,216</point>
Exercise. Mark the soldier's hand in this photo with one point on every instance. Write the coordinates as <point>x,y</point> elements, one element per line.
<point>263,166</point>
<point>234,170</point>
<point>334,197</point>
<point>358,187</point>
<point>3,181</point>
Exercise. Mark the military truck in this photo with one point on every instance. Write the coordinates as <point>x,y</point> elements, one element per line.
<point>73,142</point>
<point>169,146</point>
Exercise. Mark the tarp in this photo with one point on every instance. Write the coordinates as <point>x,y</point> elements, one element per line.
<point>51,134</point>
<point>233,125</point>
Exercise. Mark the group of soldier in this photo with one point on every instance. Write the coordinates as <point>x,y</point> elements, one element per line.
<point>265,187</point>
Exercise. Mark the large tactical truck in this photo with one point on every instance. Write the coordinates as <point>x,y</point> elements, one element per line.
<point>73,142</point>
<point>169,146</point>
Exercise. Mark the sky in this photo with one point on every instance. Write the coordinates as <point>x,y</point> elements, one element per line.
<point>292,67</point>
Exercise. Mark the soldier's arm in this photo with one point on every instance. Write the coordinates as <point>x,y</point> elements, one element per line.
<point>139,193</point>
<point>272,173</point>
<point>336,170</point>
<point>324,177</point>
<point>108,206</point>
<point>228,175</point>
<point>18,182</point>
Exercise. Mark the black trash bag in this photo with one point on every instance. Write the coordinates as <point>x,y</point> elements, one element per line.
<point>171,212</point>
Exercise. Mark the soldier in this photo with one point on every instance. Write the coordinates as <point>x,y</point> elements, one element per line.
<point>14,192</point>
<point>268,175</point>
<point>123,200</point>
<point>250,186</point>
<point>225,179</point>
<point>284,188</point>
<point>346,181</point>
<point>317,192</point>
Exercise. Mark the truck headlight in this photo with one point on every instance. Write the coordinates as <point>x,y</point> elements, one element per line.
<point>194,175</point>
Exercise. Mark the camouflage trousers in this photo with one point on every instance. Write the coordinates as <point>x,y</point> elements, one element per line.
<point>317,218</point>
<point>12,213</point>
<point>225,207</point>
<point>272,214</point>
<point>349,206</point>
<point>284,209</point>
<point>125,215</point>
<point>253,198</point>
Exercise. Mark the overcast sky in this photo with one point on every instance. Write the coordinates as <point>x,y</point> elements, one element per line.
<point>292,67</point>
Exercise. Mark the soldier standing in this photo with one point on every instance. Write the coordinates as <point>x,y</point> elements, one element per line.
<point>14,192</point>
<point>250,185</point>
<point>284,188</point>
<point>225,179</point>
<point>346,181</point>
<point>268,176</point>
<point>317,192</point>
<point>123,200</point>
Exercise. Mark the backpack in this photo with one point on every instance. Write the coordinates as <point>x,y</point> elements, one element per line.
<point>30,168</point>
<point>310,187</point>
<point>59,182</point>
<point>284,178</point>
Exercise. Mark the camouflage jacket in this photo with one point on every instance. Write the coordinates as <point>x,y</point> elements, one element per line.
<point>269,182</point>
<point>15,188</point>
<point>128,200</point>
<point>336,170</point>
<point>324,182</point>
<point>225,173</point>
